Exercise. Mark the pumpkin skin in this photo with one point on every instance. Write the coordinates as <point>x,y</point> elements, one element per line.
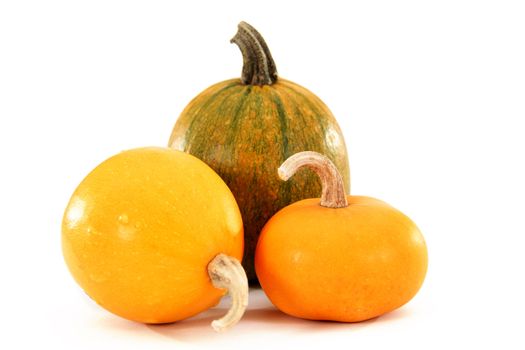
<point>141,229</point>
<point>244,132</point>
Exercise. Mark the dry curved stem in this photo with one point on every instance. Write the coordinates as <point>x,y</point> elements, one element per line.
<point>258,65</point>
<point>333,195</point>
<point>227,273</point>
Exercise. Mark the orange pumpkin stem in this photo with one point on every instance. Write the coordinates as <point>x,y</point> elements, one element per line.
<point>227,273</point>
<point>258,65</point>
<point>333,195</point>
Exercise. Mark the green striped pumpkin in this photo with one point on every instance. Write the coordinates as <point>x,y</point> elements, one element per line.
<point>245,128</point>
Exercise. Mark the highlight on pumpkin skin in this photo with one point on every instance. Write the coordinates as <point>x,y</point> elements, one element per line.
<point>227,273</point>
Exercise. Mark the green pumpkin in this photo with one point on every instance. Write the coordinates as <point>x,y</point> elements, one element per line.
<point>245,128</point>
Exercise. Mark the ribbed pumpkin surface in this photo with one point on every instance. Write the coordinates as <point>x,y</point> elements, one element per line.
<point>244,132</point>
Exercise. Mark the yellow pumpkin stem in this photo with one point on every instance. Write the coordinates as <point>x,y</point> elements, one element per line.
<point>333,195</point>
<point>227,273</point>
<point>258,65</point>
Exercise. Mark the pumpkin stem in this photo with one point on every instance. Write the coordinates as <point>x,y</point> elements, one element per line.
<point>258,65</point>
<point>333,195</point>
<point>227,273</point>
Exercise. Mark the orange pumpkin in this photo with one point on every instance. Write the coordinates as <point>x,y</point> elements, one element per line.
<point>154,235</point>
<point>341,258</point>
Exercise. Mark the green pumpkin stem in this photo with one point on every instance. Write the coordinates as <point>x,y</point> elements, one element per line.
<point>333,195</point>
<point>258,65</point>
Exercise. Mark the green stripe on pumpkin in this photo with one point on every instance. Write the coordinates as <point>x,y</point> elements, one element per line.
<point>196,116</point>
<point>284,190</point>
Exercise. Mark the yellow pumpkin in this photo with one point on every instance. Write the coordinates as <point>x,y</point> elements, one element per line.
<point>154,235</point>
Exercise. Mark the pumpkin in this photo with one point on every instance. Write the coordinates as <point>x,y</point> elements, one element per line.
<point>154,235</point>
<point>339,258</point>
<point>244,128</point>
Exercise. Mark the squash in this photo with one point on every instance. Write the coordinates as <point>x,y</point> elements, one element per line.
<point>244,128</point>
<point>154,235</point>
<point>339,258</point>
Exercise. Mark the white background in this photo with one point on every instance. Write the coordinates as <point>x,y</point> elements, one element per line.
<point>430,96</point>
